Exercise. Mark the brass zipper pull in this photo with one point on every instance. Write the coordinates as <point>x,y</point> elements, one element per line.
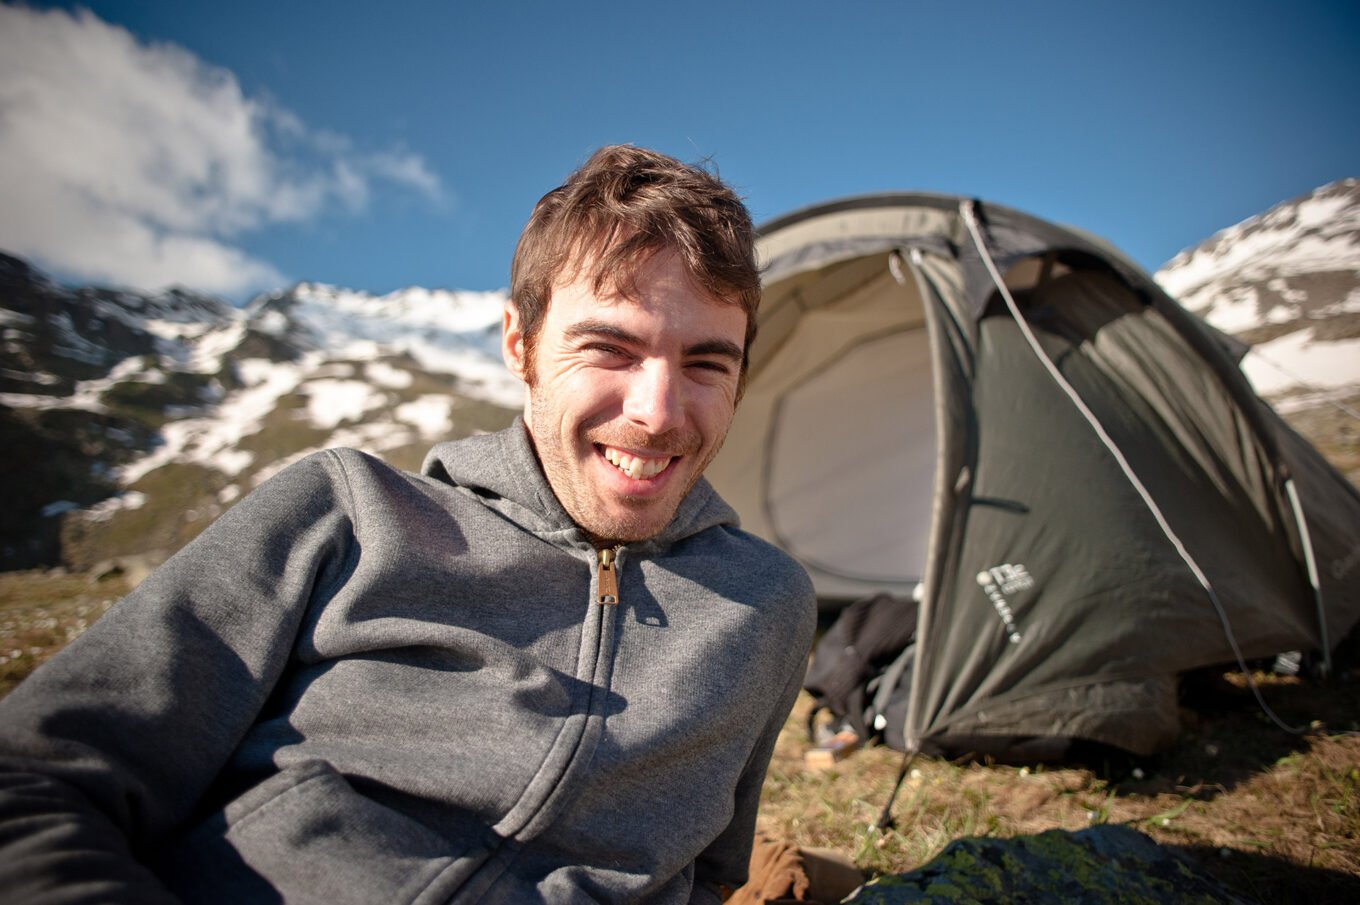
<point>608,593</point>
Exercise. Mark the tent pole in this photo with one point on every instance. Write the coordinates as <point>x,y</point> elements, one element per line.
<point>1307,541</point>
<point>885,819</point>
<point>902,271</point>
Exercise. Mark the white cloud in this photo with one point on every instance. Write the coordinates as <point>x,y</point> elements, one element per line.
<point>139,164</point>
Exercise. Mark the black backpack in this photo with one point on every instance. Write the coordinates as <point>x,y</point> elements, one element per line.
<point>861,669</point>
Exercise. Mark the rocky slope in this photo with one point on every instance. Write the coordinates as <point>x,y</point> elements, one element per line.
<point>1287,282</point>
<point>129,421</point>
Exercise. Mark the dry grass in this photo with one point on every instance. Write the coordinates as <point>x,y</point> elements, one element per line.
<point>1273,815</point>
<point>41,611</point>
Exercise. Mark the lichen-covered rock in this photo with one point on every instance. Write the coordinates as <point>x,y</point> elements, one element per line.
<point>1103,864</point>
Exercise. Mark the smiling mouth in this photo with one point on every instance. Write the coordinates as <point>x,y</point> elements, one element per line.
<point>639,468</point>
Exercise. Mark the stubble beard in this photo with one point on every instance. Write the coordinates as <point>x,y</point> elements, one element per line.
<point>643,517</point>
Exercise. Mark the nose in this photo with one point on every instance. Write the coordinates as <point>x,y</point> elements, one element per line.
<point>652,401</point>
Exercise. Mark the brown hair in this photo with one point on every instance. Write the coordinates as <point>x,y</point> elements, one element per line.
<point>622,206</point>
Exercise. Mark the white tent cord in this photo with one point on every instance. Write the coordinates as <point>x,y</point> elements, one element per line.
<point>1308,557</point>
<point>970,220</point>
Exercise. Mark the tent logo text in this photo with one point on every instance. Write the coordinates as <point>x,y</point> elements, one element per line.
<point>1000,581</point>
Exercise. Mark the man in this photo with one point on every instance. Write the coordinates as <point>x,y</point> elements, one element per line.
<point>550,668</point>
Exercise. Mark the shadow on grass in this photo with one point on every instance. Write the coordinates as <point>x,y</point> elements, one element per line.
<point>1267,879</point>
<point>1228,739</point>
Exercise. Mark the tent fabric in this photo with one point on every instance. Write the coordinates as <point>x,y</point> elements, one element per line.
<point>899,428</point>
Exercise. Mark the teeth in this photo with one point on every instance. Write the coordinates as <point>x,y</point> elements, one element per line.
<point>636,467</point>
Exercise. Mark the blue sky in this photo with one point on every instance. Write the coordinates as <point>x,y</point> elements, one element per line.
<point>238,147</point>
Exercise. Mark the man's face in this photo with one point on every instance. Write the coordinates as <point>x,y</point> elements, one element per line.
<point>629,398</point>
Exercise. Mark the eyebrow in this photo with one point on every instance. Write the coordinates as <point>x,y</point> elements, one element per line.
<point>715,347</point>
<point>606,330</point>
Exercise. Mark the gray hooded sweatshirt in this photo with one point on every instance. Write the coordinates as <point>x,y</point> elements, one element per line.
<point>366,686</point>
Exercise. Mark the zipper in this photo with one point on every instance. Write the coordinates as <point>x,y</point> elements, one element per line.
<point>559,774</point>
<point>607,587</point>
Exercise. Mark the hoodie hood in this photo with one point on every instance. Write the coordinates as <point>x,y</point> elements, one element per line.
<point>503,470</point>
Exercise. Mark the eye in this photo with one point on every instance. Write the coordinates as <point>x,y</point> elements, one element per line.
<point>710,369</point>
<point>605,354</point>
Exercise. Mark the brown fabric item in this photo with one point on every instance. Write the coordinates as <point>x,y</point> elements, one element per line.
<point>831,876</point>
<point>783,873</point>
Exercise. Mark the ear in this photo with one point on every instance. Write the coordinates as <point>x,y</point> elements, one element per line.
<point>512,341</point>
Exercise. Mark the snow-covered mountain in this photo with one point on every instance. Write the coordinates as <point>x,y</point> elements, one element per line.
<point>1287,282</point>
<point>347,361</point>
<point>111,401</point>
<point>129,421</point>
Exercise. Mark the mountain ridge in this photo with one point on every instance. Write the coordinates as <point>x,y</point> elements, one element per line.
<point>112,401</point>
<point>1287,283</point>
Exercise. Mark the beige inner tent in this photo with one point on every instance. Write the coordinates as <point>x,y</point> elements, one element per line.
<point>850,469</point>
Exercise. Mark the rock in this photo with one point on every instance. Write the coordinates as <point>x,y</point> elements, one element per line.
<point>1106,863</point>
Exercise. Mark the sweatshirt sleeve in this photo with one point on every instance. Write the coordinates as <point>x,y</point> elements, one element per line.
<point>724,864</point>
<point>112,743</point>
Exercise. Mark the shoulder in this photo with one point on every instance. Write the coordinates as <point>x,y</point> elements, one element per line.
<point>773,562</point>
<point>367,483</point>
<point>762,559</point>
<point>338,479</point>
<point>313,482</point>
<point>754,570</point>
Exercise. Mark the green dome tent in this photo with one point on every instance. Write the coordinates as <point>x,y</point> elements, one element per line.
<point>1012,421</point>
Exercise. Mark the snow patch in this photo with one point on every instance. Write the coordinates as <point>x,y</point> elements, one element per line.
<point>431,415</point>
<point>1239,280</point>
<point>1313,233</point>
<point>255,371</point>
<point>15,318</point>
<point>1295,360</point>
<point>388,376</point>
<point>213,346</point>
<point>212,440</point>
<point>330,402</point>
<point>445,332</point>
<point>230,461</point>
<point>1349,305</point>
<point>1292,296</point>
<point>72,344</point>
<point>177,332</point>
<point>33,400</point>
<point>41,378</point>
<point>374,437</point>
<point>105,509</point>
<point>273,323</point>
